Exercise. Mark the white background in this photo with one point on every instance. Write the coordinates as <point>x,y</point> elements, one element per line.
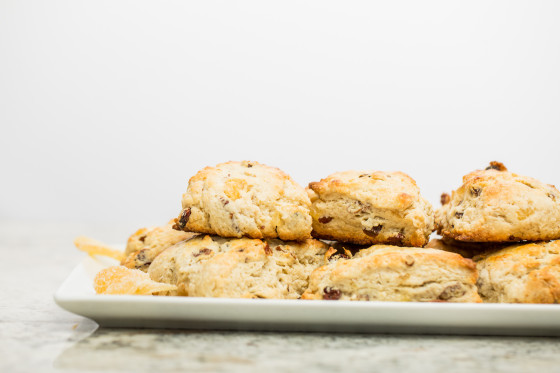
<point>108,107</point>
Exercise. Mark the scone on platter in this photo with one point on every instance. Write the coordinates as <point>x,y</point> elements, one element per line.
<point>401,274</point>
<point>245,232</point>
<point>522,273</point>
<point>212,266</point>
<point>236,199</point>
<point>147,243</point>
<point>369,207</point>
<point>495,205</point>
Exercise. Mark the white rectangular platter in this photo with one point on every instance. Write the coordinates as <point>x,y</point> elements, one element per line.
<point>76,295</point>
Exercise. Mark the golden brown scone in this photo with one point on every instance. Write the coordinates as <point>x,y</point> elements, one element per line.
<point>495,205</point>
<point>525,273</point>
<point>367,207</point>
<point>212,266</point>
<point>389,273</point>
<point>147,243</point>
<point>236,199</point>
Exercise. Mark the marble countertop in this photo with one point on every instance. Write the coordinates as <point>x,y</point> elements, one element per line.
<point>36,335</point>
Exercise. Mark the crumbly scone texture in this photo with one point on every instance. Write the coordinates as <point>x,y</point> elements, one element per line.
<point>389,273</point>
<point>495,205</point>
<point>370,207</point>
<point>147,243</point>
<point>212,266</point>
<point>523,273</point>
<point>236,199</point>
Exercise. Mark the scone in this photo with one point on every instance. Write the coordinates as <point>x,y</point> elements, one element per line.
<point>212,266</point>
<point>147,243</point>
<point>389,273</point>
<point>495,205</point>
<point>523,273</point>
<point>237,199</point>
<point>370,207</point>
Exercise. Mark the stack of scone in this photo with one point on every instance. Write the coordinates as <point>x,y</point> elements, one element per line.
<point>386,210</point>
<point>247,230</point>
<point>505,222</point>
<point>252,229</point>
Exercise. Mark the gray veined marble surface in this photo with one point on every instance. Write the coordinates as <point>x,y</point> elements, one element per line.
<point>36,335</point>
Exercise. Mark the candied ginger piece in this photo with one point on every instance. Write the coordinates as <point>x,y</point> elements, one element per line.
<point>93,247</point>
<point>122,280</point>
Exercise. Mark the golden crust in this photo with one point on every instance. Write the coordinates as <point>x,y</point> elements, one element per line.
<point>237,199</point>
<point>401,187</point>
<point>495,205</point>
<point>525,273</point>
<point>367,207</point>
<point>392,273</point>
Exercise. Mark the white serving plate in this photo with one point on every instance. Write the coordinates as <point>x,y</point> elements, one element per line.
<point>76,295</point>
